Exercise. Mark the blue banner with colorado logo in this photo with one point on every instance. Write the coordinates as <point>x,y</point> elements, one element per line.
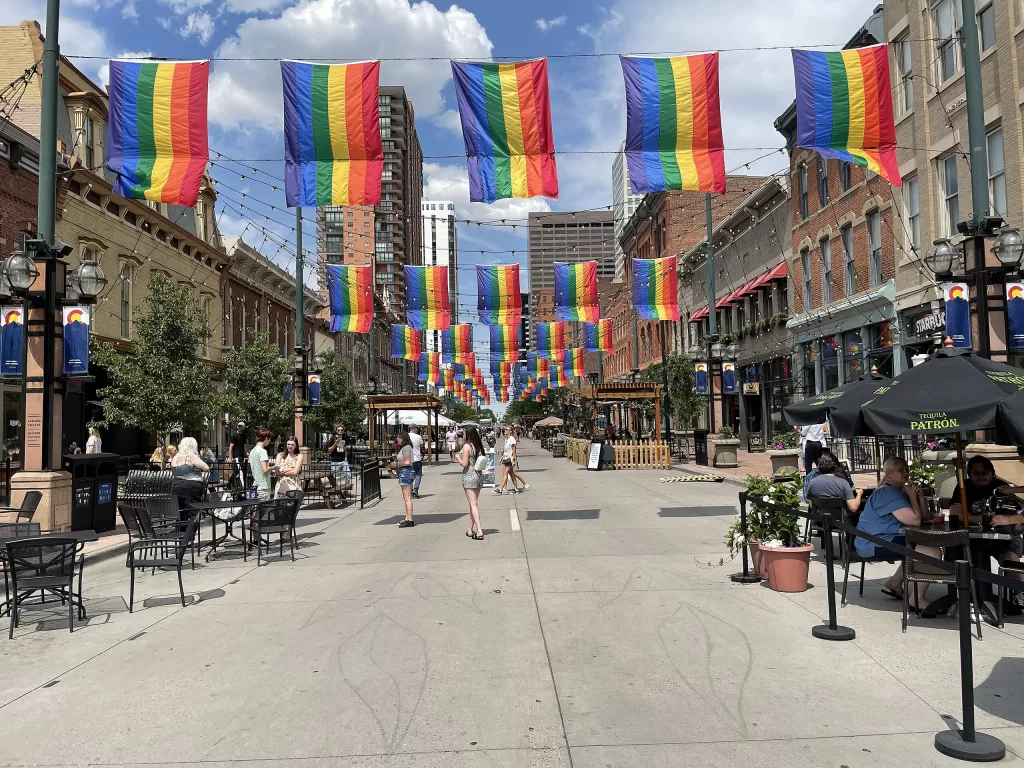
<point>701,378</point>
<point>958,313</point>
<point>12,341</point>
<point>729,378</point>
<point>313,389</point>
<point>76,341</point>
<point>1015,315</point>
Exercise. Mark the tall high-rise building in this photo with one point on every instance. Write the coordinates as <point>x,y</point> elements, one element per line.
<point>624,202</point>
<point>441,249</point>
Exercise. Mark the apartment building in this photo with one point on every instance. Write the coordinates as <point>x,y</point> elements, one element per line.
<point>624,203</point>
<point>441,249</point>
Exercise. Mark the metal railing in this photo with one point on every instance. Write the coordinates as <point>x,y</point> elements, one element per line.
<point>866,454</point>
<point>369,482</point>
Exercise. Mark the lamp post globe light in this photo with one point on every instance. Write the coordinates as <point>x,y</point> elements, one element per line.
<point>87,280</point>
<point>20,271</point>
<point>1009,248</point>
<point>942,256</point>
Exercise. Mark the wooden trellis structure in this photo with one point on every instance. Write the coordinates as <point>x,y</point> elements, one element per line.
<point>629,454</point>
<point>376,404</point>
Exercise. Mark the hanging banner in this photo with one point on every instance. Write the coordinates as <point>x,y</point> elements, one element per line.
<point>729,378</point>
<point>12,341</point>
<point>76,341</point>
<point>1014,315</point>
<point>958,313</point>
<point>313,389</point>
<point>701,378</point>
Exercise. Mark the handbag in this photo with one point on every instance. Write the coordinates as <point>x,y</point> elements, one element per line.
<point>480,464</point>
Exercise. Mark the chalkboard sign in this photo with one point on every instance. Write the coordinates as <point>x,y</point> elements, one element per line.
<point>83,496</point>
<point>755,442</point>
<point>594,461</point>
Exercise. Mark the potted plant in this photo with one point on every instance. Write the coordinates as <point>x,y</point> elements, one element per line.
<point>785,455</point>
<point>727,447</point>
<point>750,537</point>
<point>785,559</point>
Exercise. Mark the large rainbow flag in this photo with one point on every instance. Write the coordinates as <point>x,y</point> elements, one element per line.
<point>333,152</point>
<point>844,107</point>
<point>498,295</point>
<point>576,291</point>
<point>350,290</point>
<point>427,304</point>
<point>654,289</point>
<point>552,338</point>
<point>597,337</point>
<point>673,124</point>
<point>406,342</point>
<point>457,342</point>
<point>156,131</point>
<point>506,123</point>
<point>504,342</point>
<point>430,368</point>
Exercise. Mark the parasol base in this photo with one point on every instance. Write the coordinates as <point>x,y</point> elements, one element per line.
<point>825,632</point>
<point>748,578</point>
<point>984,748</point>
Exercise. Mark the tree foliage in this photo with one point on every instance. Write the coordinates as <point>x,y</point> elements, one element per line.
<point>254,385</point>
<point>340,403</point>
<point>521,408</point>
<point>161,382</point>
<point>459,412</point>
<point>684,402</point>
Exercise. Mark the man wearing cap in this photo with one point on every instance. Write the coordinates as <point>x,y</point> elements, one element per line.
<point>236,450</point>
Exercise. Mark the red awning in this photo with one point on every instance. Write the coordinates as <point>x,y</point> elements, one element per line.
<point>724,302</point>
<point>700,314</point>
<point>777,272</point>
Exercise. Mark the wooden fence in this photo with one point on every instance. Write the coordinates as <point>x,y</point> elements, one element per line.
<point>629,454</point>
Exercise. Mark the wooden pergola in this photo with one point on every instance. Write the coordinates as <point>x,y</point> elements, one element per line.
<point>623,394</point>
<point>384,403</point>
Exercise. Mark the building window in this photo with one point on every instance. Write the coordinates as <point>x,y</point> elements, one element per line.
<point>912,212</point>
<point>996,173</point>
<point>849,267</point>
<point>844,176</point>
<point>205,304</point>
<point>946,15</point>
<point>826,271</point>
<point>805,262</point>
<point>803,191</point>
<point>950,195</point>
<point>986,24</point>
<point>905,67</point>
<point>127,276</point>
<point>88,143</point>
<point>333,219</point>
<point>822,182</point>
<point>875,246</point>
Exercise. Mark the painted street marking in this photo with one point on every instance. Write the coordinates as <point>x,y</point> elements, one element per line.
<point>514,517</point>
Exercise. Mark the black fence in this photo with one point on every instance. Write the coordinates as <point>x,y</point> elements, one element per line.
<point>369,482</point>
<point>866,454</point>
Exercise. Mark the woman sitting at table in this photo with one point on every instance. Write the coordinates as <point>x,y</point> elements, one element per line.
<point>893,505</point>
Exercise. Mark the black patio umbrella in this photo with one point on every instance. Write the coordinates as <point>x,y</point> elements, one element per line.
<point>814,410</point>
<point>1010,418</point>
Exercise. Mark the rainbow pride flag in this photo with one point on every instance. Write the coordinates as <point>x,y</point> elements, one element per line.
<point>576,291</point>
<point>350,290</point>
<point>575,362</point>
<point>499,299</point>
<point>457,342</point>
<point>597,337</point>
<point>844,107</point>
<point>673,124</point>
<point>502,368</point>
<point>430,368</point>
<point>449,379</point>
<point>654,289</point>
<point>406,343</point>
<point>552,338</point>
<point>504,342</point>
<point>156,132</point>
<point>557,377</point>
<point>333,152</point>
<point>536,365</point>
<point>427,304</point>
<point>506,123</point>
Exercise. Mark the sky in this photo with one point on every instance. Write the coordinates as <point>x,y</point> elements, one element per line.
<point>586,91</point>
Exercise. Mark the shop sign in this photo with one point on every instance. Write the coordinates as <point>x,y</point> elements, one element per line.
<point>751,388</point>
<point>755,442</point>
<point>926,324</point>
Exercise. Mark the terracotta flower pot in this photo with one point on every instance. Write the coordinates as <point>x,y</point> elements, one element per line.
<point>756,561</point>
<point>787,567</point>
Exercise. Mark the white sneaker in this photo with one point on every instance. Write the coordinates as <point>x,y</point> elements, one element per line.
<point>496,491</point>
<point>526,487</point>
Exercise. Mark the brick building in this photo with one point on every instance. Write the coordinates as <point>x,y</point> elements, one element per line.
<point>843,266</point>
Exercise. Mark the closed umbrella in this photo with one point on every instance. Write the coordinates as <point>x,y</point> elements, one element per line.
<point>814,410</point>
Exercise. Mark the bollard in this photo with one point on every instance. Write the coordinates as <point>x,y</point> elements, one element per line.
<point>832,630</point>
<point>966,743</point>
<point>746,577</point>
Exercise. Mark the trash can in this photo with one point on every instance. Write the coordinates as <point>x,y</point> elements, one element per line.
<point>93,490</point>
<point>700,446</point>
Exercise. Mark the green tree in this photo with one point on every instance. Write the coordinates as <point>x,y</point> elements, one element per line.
<point>340,404</point>
<point>684,402</point>
<point>486,413</point>
<point>254,385</point>
<point>459,412</point>
<point>161,381</point>
<point>521,408</point>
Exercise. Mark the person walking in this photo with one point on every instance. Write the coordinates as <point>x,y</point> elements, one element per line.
<point>95,443</point>
<point>259,464</point>
<point>237,454</point>
<point>416,440</point>
<point>405,478</point>
<point>472,479</point>
<point>187,469</point>
<point>451,437</point>
<point>508,464</point>
<point>288,467</point>
<point>812,443</point>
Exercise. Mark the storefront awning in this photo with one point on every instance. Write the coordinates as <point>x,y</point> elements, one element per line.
<point>776,273</point>
<point>700,314</point>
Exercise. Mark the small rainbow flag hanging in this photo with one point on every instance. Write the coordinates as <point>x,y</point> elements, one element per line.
<point>501,368</point>
<point>506,123</point>
<point>498,295</point>
<point>552,338</point>
<point>654,289</point>
<point>156,131</point>
<point>557,377</point>
<point>536,365</point>
<point>597,337</point>
<point>504,342</point>
<point>430,368</point>
<point>673,124</point>
<point>427,304</point>
<point>333,152</point>
<point>406,343</point>
<point>576,291</point>
<point>844,107</point>
<point>449,380</point>
<point>575,362</point>
<point>351,297</point>
<point>456,343</point>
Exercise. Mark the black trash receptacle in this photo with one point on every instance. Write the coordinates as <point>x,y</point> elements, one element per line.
<point>93,490</point>
<point>700,446</point>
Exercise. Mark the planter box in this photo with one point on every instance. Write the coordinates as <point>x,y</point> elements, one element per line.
<point>726,453</point>
<point>787,567</point>
<point>786,462</point>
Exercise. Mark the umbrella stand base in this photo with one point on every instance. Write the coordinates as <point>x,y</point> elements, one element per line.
<point>748,578</point>
<point>984,748</point>
<point>825,632</point>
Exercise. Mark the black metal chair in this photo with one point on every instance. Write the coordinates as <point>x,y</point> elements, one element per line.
<point>1013,568</point>
<point>44,565</point>
<point>915,572</point>
<point>160,552</point>
<point>300,496</point>
<point>14,531</point>
<point>276,516</point>
<point>28,507</point>
<point>837,509</point>
<point>851,556</point>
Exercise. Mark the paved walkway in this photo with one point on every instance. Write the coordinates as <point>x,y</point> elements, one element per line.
<point>587,630</point>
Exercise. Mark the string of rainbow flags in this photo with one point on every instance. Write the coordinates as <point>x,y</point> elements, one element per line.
<point>158,150</point>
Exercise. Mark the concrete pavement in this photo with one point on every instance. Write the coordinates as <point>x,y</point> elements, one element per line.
<point>601,633</point>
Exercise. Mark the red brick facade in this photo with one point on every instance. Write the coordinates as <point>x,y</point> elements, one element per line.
<point>18,198</point>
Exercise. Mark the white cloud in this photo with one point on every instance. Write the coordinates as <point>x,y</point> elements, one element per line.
<point>253,6</point>
<point>181,7</point>
<point>129,11</point>
<point>200,24</point>
<point>164,22</point>
<point>451,182</point>
<point>610,23</point>
<point>545,24</point>
<point>449,119</point>
<point>249,93</point>
<point>103,76</point>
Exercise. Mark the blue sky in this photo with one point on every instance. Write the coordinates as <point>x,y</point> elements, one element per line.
<point>586,93</point>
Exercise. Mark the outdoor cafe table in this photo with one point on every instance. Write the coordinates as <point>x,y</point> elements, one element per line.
<point>210,509</point>
<point>82,537</point>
